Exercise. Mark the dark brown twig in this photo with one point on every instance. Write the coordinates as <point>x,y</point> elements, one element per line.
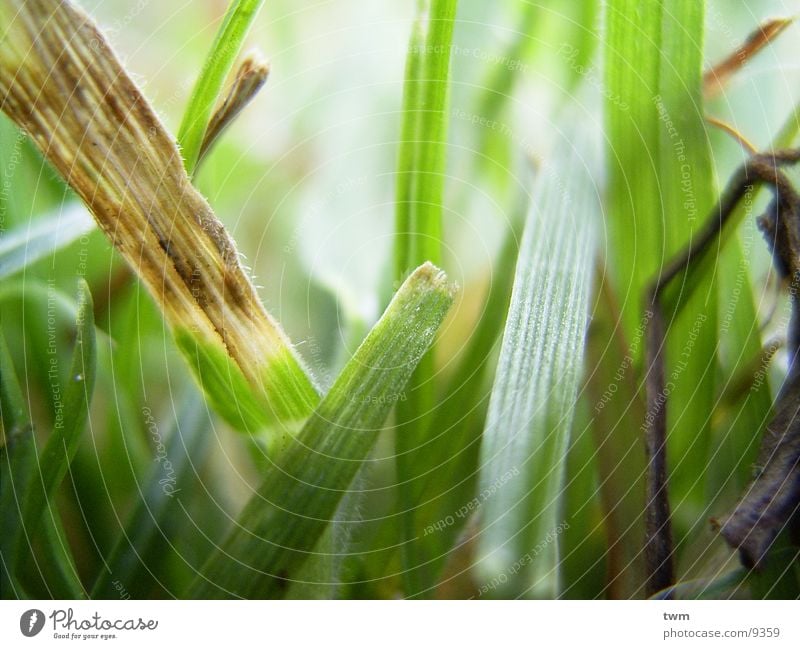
<point>780,227</point>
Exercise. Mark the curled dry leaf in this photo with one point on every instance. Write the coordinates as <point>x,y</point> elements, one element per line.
<point>774,497</point>
<point>250,78</point>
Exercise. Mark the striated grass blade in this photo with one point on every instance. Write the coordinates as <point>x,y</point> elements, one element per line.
<point>524,452</point>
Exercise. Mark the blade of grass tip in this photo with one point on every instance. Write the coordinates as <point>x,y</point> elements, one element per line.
<point>282,523</point>
<point>71,413</point>
<point>207,88</point>
<point>128,171</point>
<point>524,450</point>
<point>418,219</point>
<point>42,237</point>
<point>159,515</point>
<point>17,464</point>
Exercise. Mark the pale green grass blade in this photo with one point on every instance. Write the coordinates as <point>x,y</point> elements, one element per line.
<point>283,522</point>
<point>208,86</point>
<point>42,237</point>
<point>524,452</point>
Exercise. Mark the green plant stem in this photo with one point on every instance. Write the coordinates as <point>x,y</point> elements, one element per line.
<point>418,224</point>
<point>208,86</point>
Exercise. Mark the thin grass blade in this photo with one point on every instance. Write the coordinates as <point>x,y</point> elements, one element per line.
<point>418,225</point>
<point>208,87</point>
<point>71,414</point>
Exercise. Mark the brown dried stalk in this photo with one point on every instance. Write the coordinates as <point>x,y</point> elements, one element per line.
<point>60,82</point>
<point>715,79</point>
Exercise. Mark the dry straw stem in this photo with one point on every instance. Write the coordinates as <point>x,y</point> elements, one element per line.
<point>715,79</point>
<point>250,78</point>
<point>60,81</point>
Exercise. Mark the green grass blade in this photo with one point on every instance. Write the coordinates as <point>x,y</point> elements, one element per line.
<point>524,452</point>
<point>615,402</point>
<point>632,70</point>
<point>688,192</point>
<point>17,464</point>
<point>71,415</point>
<point>423,139</point>
<point>656,127</point>
<point>208,86</point>
<point>54,560</point>
<point>41,237</point>
<point>13,410</point>
<point>29,491</point>
<point>160,515</point>
<point>281,524</point>
<point>418,216</point>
